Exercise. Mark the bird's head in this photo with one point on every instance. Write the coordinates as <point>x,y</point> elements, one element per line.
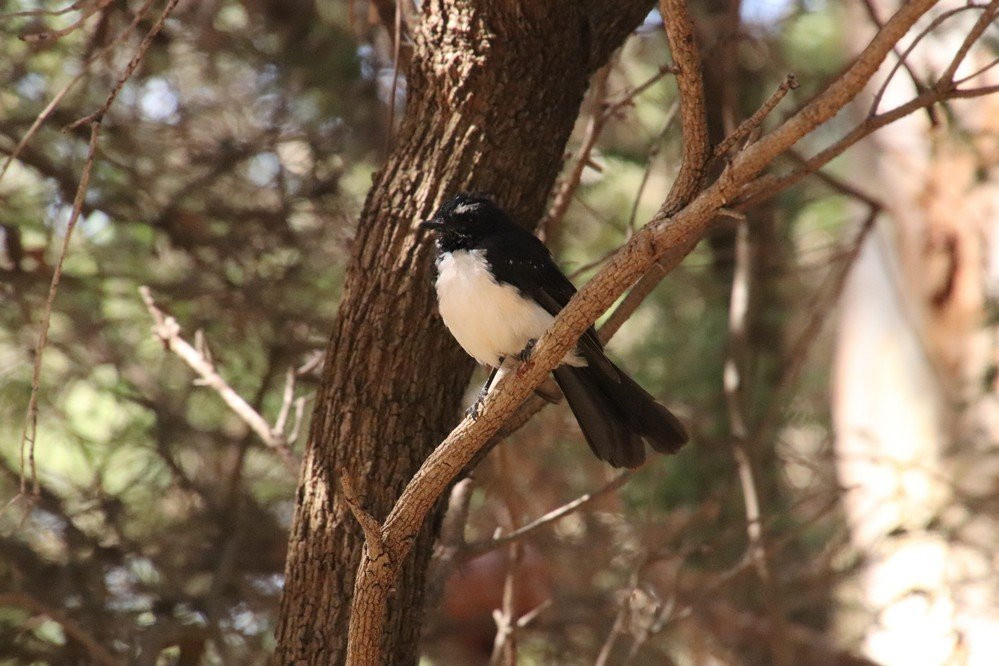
<point>462,222</point>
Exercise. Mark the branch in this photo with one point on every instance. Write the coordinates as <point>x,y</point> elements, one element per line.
<point>98,115</point>
<point>693,116</point>
<point>696,153</point>
<point>505,641</point>
<point>901,61</point>
<point>664,233</point>
<point>167,330</point>
<point>30,429</point>
<point>88,9</point>
<point>369,524</point>
<point>943,89</point>
<point>754,121</point>
<point>603,111</point>
<point>984,21</point>
<point>486,545</point>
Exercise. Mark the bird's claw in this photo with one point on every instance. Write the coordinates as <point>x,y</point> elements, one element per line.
<point>473,411</point>
<point>525,357</point>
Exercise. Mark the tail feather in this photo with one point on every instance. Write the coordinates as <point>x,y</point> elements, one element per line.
<point>616,414</point>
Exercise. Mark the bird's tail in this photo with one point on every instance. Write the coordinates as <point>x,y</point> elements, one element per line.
<point>616,414</point>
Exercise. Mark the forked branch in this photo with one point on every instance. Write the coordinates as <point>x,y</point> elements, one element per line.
<point>668,231</point>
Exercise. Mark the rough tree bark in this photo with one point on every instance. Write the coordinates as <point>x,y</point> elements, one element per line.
<point>493,91</point>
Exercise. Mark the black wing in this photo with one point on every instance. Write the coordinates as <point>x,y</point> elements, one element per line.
<point>517,257</point>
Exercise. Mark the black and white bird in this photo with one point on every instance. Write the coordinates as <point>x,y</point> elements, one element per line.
<point>498,290</point>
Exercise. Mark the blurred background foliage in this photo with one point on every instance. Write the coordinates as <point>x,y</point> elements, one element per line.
<point>228,177</point>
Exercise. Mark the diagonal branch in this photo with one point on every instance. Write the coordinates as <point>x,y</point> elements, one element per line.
<point>665,232</point>
<point>167,329</point>
<point>486,545</point>
<point>130,68</point>
<point>30,430</point>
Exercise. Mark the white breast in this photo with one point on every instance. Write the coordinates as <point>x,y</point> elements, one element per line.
<point>488,319</point>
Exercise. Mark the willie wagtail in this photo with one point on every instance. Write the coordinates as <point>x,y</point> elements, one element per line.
<point>498,290</point>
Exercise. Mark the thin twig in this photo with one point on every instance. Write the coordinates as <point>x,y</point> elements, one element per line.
<point>767,186</point>
<point>617,628</point>
<point>29,432</point>
<point>479,547</point>
<point>566,188</point>
<point>52,35</point>
<point>752,122</point>
<point>505,641</point>
<point>978,72</point>
<point>296,426</point>
<point>653,153</point>
<point>144,45</point>
<point>986,19</point>
<point>901,61</point>
<point>933,25</point>
<point>51,106</point>
<point>603,111</point>
<point>287,398</point>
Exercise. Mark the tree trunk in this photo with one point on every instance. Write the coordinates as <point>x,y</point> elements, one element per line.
<point>493,91</point>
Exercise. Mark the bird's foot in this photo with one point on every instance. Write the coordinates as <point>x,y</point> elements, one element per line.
<point>525,357</point>
<point>473,411</point>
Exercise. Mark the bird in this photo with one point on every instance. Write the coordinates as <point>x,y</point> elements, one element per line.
<point>499,289</point>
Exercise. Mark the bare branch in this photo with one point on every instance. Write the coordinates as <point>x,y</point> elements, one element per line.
<point>505,641</point>
<point>666,231</point>
<point>978,72</point>
<point>765,187</point>
<point>29,432</point>
<point>901,61</point>
<point>984,21</point>
<point>89,9</point>
<point>751,123</point>
<point>479,547</point>
<point>51,106</point>
<point>369,524</point>
<point>98,115</point>
<point>287,398</point>
<point>602,113</point>
<point>696,144</point>
<point>167,329</point>
<point>933,25</point>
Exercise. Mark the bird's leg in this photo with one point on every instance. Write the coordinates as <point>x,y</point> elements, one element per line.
<point>525,356</point>
<point>473,411</point>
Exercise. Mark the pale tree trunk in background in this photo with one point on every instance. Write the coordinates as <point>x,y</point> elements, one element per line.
<point>493,91</point>
<point>915,418</point>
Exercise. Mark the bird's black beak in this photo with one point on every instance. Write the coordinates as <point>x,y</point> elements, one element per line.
<point>430,225</point>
